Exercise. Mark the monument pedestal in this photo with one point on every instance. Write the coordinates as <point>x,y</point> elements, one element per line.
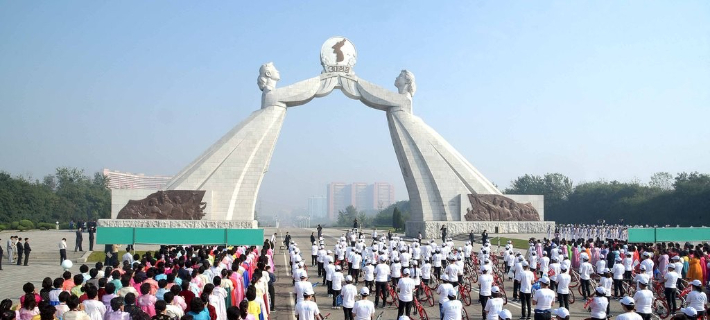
<point>431,229</point>
<point>178,224</point>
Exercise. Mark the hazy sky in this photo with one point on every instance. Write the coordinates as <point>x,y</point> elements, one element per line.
<point>591,89</point>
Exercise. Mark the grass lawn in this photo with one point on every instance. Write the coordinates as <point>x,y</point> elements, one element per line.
<point>517,243</point>
<point>100,256</point>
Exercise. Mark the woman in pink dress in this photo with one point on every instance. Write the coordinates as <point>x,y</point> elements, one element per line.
<point>146,301</point>
<point>575,257</point>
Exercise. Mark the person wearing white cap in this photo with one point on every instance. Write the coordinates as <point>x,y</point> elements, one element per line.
<point>642,275</point>
<point>554,272</point>
<point>301,287</point>
<point>307,309</point>
<point>628,263</point>
<point>585,272</point>
<point>426,271</point>
<point>321,256</point>
<point>328,275</point>
<point>526,281</point>
<point>348,294</point>
<point>697,298</point>
<point>443,291</point>
<point>405,288</point>
<point>436,262</point>
<point>368,273</point>
<point>505,315</point>
<point>671,278</point>
<point>404,318</point>
<point>618,277</point>
<point>648,263</point>
<point>337,284</point>
<point>364,309</point>
<point>485,284</point>
<point>452,271</point>
<point>493,305</point>
<point>606,282</point>
<point>599,304</point>
<point>561,313</point>
<point>453,307</point>
<point>688,313</point>
<point>543,299</point>
<point>382,272</point>
<point>517,270</point>
<point>563,281</point>
<point>356,265</point>
<point>643,299</point>
<point>627,304</point>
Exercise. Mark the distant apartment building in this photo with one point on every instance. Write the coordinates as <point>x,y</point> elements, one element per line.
<point>127,180</point>
<point>363,196</point>
<point>317,207</point>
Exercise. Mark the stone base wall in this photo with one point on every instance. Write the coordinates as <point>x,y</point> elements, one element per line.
<point>186,224</point>
<point>430,229</point>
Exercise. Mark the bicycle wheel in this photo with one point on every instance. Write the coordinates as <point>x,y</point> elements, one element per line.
<point>464,314</point>
<point>422,314</point>
<point>660,308</point>
<point>433,283</point>
<point>503,295</point>
<point>466,298</point>
<point>571,297</point>
<point>429,297</point>
<point>579,289</point>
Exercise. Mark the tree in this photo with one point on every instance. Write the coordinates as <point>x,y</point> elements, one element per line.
<point>397,222</point>
<point>662,181</point>
<point>345,218</point>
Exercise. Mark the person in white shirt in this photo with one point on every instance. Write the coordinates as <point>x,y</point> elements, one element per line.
<point>453,307</point>
<point>436,262</point>
<point>382,272</point>
<point>543,299</point>
<point>697,299</point>
<point>62,251</point>
<point>485,284</point>
<point>328,272</point>
<point>314,254</point>
<point>617,272</point>
<point>395,271</point>
<point>553,273</point>
<point>689,312</point>
<point>348,294</point>
<point>669,286</point>
<point>643,299</point>
<point>563,280</point>
<point>301,287</point>
<point>628,263</point>
<point>606,282</point>
<point>648,263</point>
<point>599,304</point>
<point>416,274</point>
<point>642,275</point>
<point>307,309</point>
<point>337,284</point>
<point>526,281</point>
<point>544,265</point>
<point>364,309</point>
<point>405,288</point>
<point>443,291</point>
<point>585,271</point>
<point>368,273</point>
<point>493,305</point>
<point>627,304</point>
<point>426,271</point>
<point>356,265</point>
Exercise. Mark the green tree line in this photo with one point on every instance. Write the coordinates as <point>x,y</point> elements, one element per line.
<point>68,194</point>
<point>394,216</point>
<point>666,200</point>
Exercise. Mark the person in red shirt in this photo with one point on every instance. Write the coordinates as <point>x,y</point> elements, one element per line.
<point>186,293</point>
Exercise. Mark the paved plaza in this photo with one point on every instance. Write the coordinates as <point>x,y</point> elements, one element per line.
<point>44,262</point>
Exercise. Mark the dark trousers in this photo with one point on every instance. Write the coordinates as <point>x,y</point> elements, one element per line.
<point>670,299</point>
<point>77,246</point>
<point>0,261</point>
<point>516,287</point>
<point>347,313</point>
<point>553,285</point>
<point>585,289</point>
<point>564,300</point>
<point>329,283</point>
<point>381,288</point>
<point>543,315</point>
<point>91,244</point>
<point>618,288</point>
<point>19,257</point>
<point>336,293</point>
<point>437,272</point>
<point>404,308</point>
<point>320,269</point>
<point>483,299</point>
<point>369,285</point>
<point>272,296</point>
<point>525,303</point>
<point>27,257</point>
<point>645,316</point>
<point>313,261</point>
<point>62,255</point>
<point>356,275</point>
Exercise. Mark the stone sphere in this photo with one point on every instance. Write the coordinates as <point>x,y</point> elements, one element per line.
<point>67,264</point>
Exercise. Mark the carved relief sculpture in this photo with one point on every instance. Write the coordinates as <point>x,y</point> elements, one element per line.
<point>493,207</point>
<point>166,205</point>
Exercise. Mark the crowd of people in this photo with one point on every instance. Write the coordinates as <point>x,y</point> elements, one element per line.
<point>172,283</point>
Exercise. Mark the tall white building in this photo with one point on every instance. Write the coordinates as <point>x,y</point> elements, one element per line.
<point>363,196</point>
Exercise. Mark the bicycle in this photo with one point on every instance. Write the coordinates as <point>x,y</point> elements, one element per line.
<point>592,286</point>
<point>433,283</point>
<point>464,295</point>
<point>393,301</point>
<point>428,294</point>
<point>419,310</point>
<point>464,314</point>
<point>660,308</point>
<point>393,294</point>
<point>379,316</point>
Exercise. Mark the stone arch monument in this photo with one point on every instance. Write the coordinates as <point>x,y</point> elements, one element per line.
<point>444,188</point>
